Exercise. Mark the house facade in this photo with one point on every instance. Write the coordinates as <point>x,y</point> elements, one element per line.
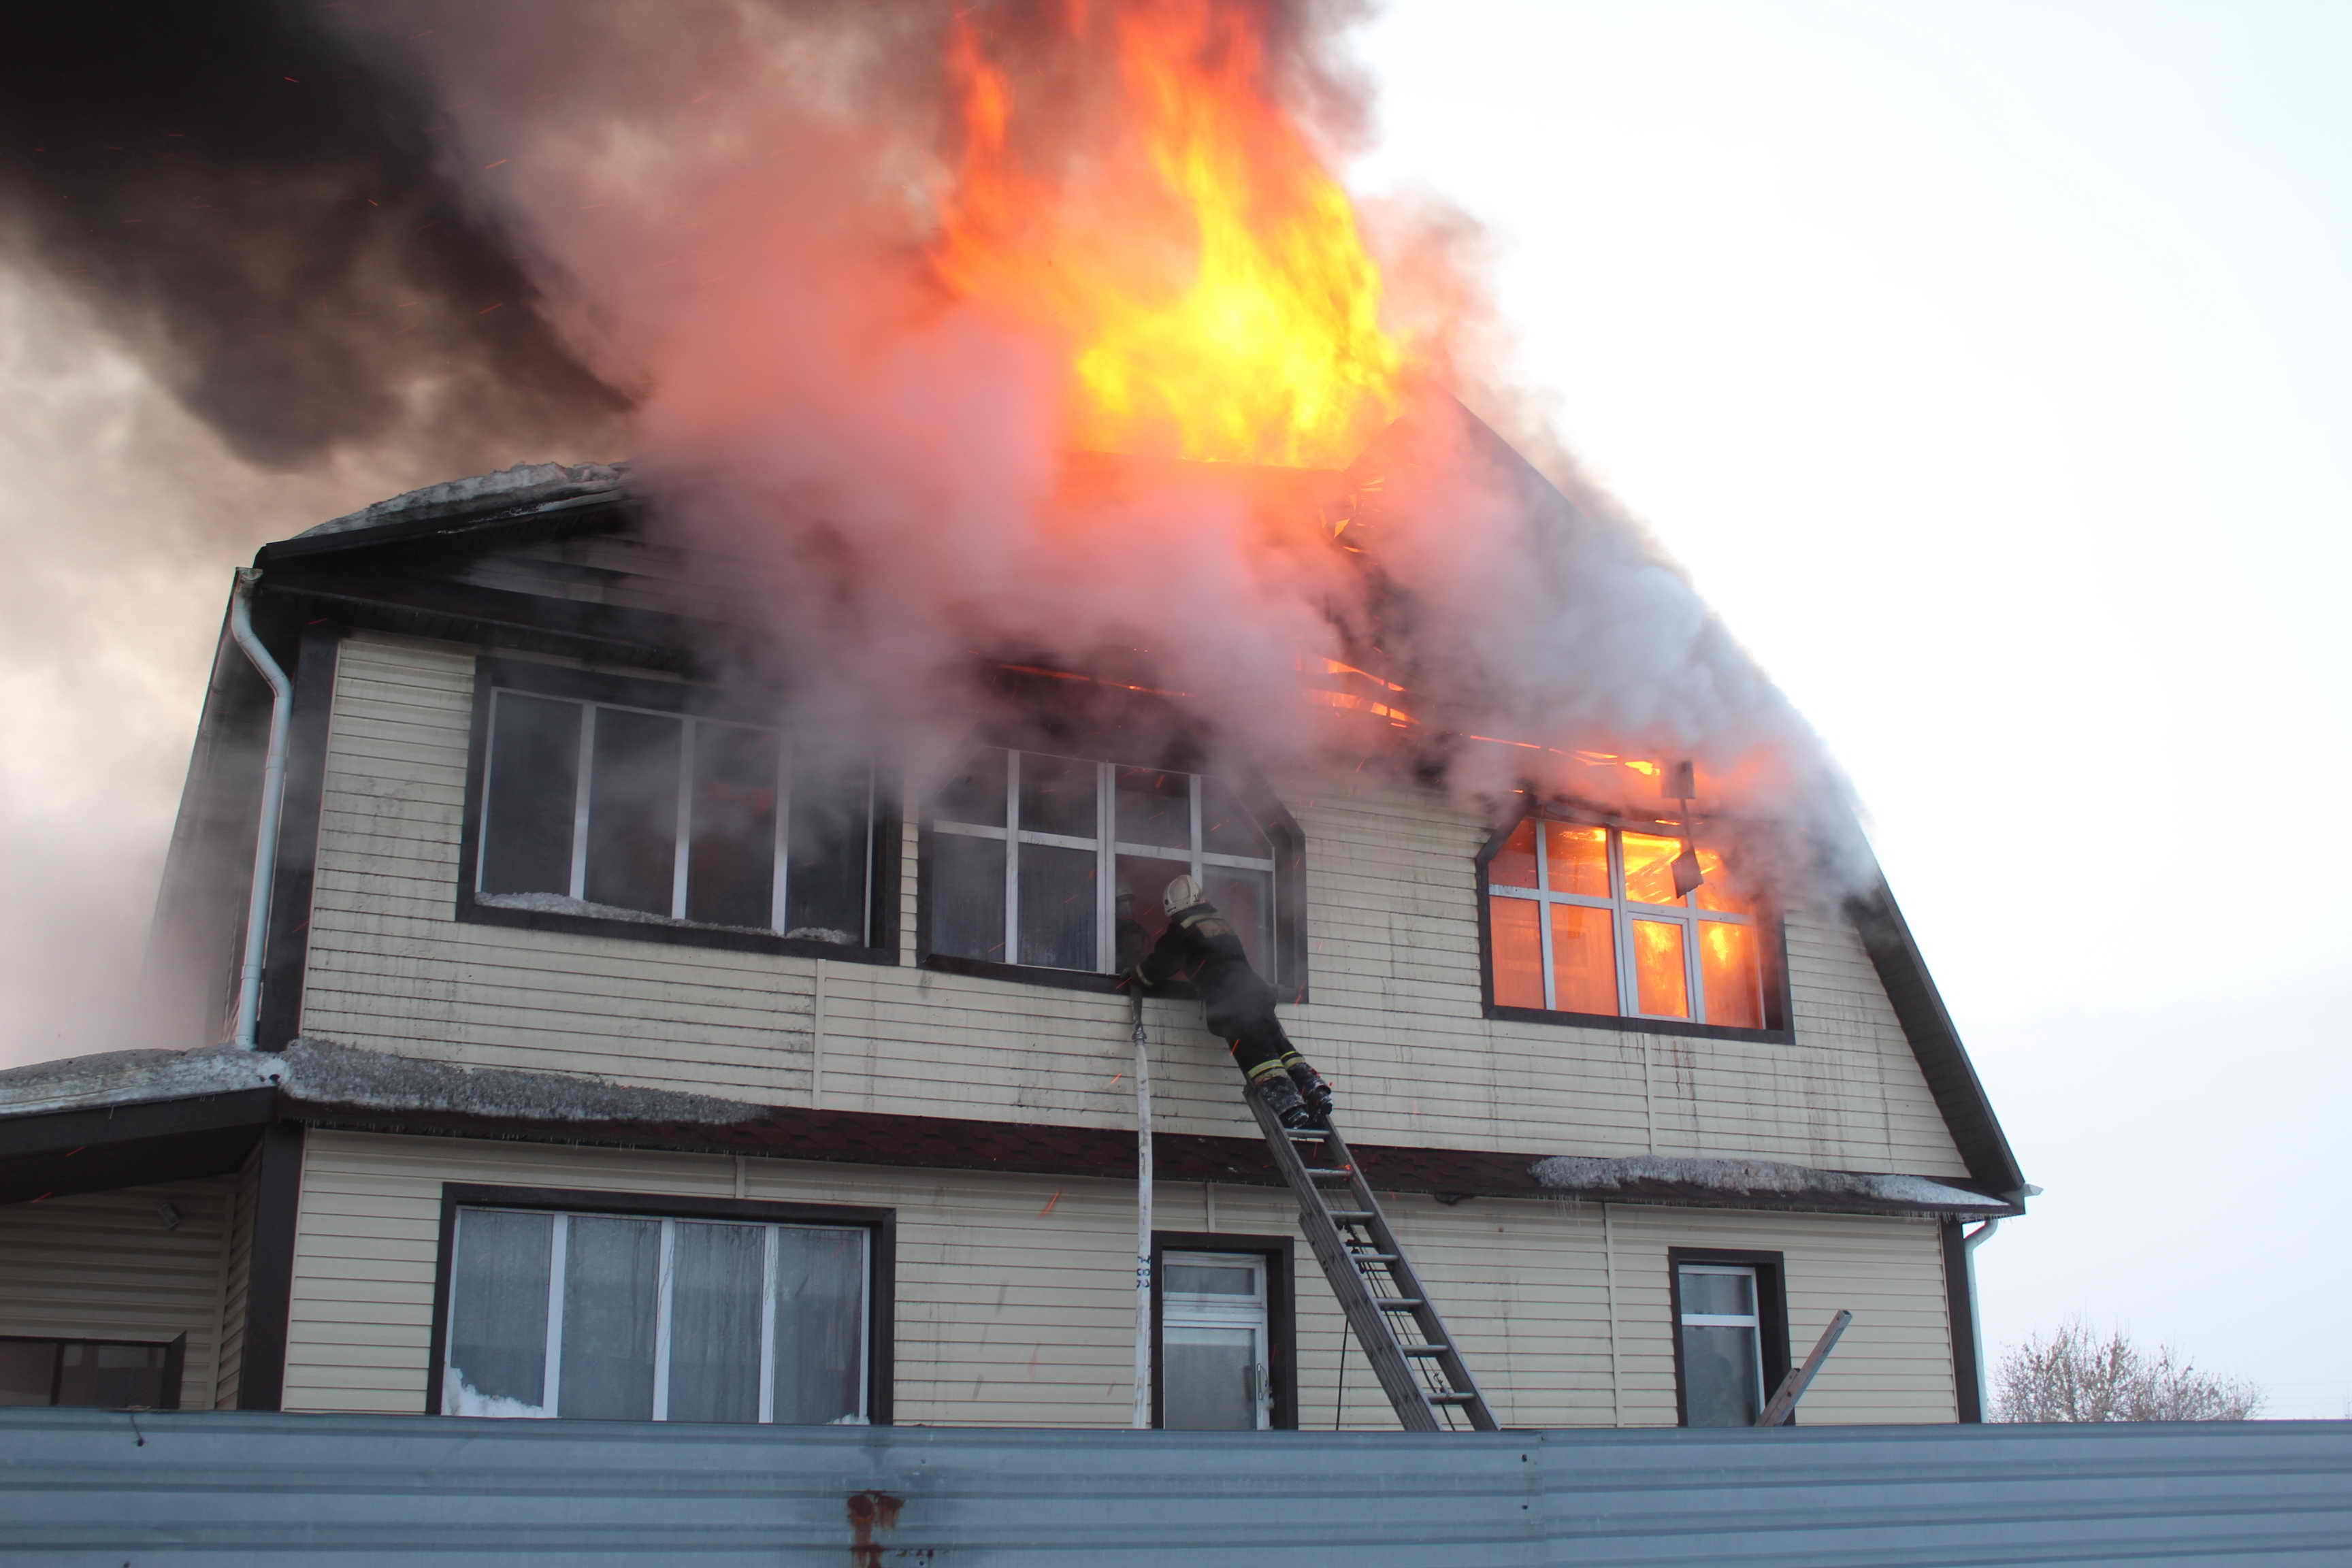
<point>621,1053</point>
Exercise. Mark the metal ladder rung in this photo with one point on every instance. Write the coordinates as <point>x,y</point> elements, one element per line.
<point>1375,1258</point>
<point>1396,1303</point>
<point>1452,1398</point>
<point>1325,1175</point>
<point>1424,1350</point>
<point>1353,1217</point>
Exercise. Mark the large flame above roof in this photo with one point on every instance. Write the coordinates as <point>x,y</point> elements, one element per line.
<point>1203,266</point>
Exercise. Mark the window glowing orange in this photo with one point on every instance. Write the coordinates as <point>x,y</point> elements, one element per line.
<point>1583,960</point>
<point>1650,869</point>
<point>1720,893</point>
<point>1727,977</point>
<point>1661,985</point>
<point>1513,865</point>
<point>1576,860</point>
<point>1518,951</point>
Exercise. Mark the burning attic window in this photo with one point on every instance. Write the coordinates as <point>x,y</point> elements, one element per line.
<point>599,808</point>
<point>1585,918</point>
<point>1046,849</point>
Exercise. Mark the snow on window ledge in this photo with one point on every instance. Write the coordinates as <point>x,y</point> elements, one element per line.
<point>561,904</point>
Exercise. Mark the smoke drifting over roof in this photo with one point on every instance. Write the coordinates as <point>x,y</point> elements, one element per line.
<point>256,208</point>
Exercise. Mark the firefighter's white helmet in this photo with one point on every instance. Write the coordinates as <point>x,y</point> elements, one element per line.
<point>1182,893</point>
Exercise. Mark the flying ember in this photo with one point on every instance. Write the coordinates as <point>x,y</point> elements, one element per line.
<point>1202,267</point>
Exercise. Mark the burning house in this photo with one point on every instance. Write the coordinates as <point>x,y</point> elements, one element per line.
<point>665,919</point>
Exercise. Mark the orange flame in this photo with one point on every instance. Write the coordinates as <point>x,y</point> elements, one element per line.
<point>1203,264</point>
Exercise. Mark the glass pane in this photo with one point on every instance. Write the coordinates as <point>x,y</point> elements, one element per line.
<point>731,859</point>
<point>1246,899</point>
<point>1727,977</point>
<point>1518,951</point>
<point>717,1275</point>
<point>1721,892</point>
<point>633,810</point>
<point>527,820</point>
<point>1707,1294</point>
<point>1209,1280</point>
<point>1662,988</point>
<point>1583,960</point>
<point>975,793</point>
<point>1155,807</point>
<point>1650,869</point>
<point>1205,1379</point>
<point>1143,889</point>
<point>1576,860</point>
<point>109,1377</point>
<point>1513,865</point>
<point>28,1371</point>
<point>831,853</point>
<point>1057,907</point>
<point>967,897</point>
<point>1720,1376</point>
<point>611,1279</point>
<point>1057,795</point>
<point>1227,826</point>
<point>498,1315</point>
<point>819,1325</point>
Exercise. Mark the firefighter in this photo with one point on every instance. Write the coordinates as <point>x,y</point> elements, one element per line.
<point>1198,947</point>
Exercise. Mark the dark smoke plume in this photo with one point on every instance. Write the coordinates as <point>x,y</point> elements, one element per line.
<point>255,209</point>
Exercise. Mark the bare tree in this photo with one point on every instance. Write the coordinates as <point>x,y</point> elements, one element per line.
<point>2078,1374</point>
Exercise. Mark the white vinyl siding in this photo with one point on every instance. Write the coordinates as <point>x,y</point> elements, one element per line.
<point>104,1266</point>
<point>1392,909</point>
<point>1014,1300</point>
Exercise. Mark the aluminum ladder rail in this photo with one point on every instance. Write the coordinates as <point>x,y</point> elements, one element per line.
<point>1425,1377</point>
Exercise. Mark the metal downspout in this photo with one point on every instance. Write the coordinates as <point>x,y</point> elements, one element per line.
<point>1970,1241</point>
<point>273,793</point>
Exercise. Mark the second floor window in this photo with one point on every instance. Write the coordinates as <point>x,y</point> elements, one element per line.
<point>598,808</point>
<point>1031,852</point>
<point>1584,919</point>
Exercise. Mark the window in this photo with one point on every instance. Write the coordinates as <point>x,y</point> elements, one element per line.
<point>1584,919</point>
<point>1035,859</point>
<point>110,1375</point>
<point>601,808</point>
<point>1214,1371</point>
<point>1731,1336</point>
<point>636,1318</point>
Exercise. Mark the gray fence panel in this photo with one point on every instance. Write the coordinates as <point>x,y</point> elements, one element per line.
<point>103,1487</point>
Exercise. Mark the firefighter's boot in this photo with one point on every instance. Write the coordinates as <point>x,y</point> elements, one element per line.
<point>1281,1097</point>
<point>1312,1090</point>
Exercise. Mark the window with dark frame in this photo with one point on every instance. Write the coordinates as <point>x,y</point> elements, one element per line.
<point>1731,1333</point>
<point>600,808</point>
<point>640,1317</point>
<point>1032,855</point>
<point>107,1375</point>
<point>1583,918</point>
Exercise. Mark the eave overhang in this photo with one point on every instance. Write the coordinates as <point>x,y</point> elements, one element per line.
<point>208,1105</point>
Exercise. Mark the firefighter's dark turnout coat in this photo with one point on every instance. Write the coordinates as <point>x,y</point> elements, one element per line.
<point>1199,949</point>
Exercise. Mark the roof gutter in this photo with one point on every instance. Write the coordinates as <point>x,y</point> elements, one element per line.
<point>273,795</point>
<point>1970,1242</point>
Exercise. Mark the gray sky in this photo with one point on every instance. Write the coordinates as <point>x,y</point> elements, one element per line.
<point>1986,364</point>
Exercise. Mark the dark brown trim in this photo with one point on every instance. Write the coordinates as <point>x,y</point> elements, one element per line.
<point>1960,1315</point>
<point>1281,1311</point>
<point>1771,955</point>
<point>269,1287</point>
<point>882,1224</point>
<point>286,956</point>
<point>1951,1079</point>
<point>1771,1312</point>
<point>175,1370</point>
<point>61,1153</point>
<point>457,612</point>
<point>492,673</point>
<point>591,508</point>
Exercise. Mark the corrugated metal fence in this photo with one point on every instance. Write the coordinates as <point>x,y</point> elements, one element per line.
<point>101,1487</point>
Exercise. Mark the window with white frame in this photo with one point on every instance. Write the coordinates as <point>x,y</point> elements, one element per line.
<point>619,1317</point>
<point>600,808</point>
<point>1035,859</point>
<point>1585,918</point>
<point>1722,1344</point>
<point>1215,1361</point>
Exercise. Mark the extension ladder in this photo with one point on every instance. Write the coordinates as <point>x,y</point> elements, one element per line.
<point>1424,1376</point>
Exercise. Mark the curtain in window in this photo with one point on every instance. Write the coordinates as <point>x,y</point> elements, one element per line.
<point>497,1313</point>
<point>820,1324</point>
